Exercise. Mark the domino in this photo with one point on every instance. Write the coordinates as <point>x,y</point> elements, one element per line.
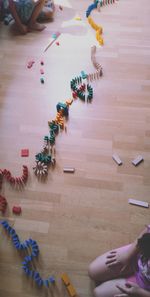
<point>24,153</point>
<point>52,40</point>
<point>69,286</point>
<point>137,160</point>
<point>138,203</point>
<point>117,159</point>
<point>69,169</point>
<point>65,279</point>
<point>71,290</point>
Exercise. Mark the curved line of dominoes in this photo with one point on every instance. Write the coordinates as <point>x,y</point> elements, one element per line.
<point>18,181</point>
<point>99,30</point>
<point>46,156</point>
<point>29,246</point>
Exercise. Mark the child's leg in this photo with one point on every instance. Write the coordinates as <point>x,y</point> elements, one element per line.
<point>100,272</point>
<point>47,12</point>
<point>32,24</point>
<point>109,289</point>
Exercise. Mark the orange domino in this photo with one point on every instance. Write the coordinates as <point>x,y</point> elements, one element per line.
<point>69,286</point>
<point>65,279</point>
<point>71,290</point>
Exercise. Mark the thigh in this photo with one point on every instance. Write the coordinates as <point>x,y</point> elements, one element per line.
<point>108,289</point>
<point>25,9</point>
<point>99,271</point>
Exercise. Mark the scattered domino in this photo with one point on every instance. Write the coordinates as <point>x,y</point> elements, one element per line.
<point>16,210</point>
<point>117,159</point>
<point>69,286</point>
<point>137,160</point>
<point>71,290</point>
<point>138,203</point>
<point>69,169</point>
<point>24,153</point>
<point>53,38</point>
<point>65,279</point>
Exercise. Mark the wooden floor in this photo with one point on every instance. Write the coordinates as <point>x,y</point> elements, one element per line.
<point>75,217</point>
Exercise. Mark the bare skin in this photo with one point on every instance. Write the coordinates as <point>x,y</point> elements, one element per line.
<point>111,269</point>
<point>32,23</point>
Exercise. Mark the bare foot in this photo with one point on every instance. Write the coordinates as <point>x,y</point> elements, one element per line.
<point>37,26</point>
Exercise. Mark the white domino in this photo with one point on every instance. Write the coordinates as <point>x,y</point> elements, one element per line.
<point>69,169</point>
<point>137,160</point>
<point>138,203</point>
<point>116,159</point>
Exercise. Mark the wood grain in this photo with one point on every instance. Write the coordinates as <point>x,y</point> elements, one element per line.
<point>74,218</point>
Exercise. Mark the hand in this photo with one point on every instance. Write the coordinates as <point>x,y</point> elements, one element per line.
<point>23,29</point>
<point>118,258</point>
<point>129,289</point>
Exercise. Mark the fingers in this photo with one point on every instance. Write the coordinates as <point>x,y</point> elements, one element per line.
<point>113,252</point>
<point>111,256</point>
<point>122,289</point>
<point>111,262</point>
<point>130,285</point>
<point>121,295</point>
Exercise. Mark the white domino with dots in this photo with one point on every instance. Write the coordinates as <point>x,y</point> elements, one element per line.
<point>138,203</point>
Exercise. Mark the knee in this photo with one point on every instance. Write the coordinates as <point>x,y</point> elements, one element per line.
<point>92,271</point>
<point>49,15</point>
<point>98,292</point>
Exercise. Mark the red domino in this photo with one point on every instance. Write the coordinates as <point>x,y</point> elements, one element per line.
<point>16,209</point>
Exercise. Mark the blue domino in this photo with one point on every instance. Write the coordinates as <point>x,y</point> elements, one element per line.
<point>36,275</point>
<point>32,273</point>
<point>12,232</point>
<point>4,223</point>
<point>40,282</point>
<point>52,280</point>
<point>46,282</point>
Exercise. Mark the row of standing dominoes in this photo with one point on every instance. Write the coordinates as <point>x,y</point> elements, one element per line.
<point>94,76</point>
<point>99,72</point>
<point>32,246</point>
<point>14,181</point>
<point>47,154</point>
<point>3,204</point>
<point>93,59</point>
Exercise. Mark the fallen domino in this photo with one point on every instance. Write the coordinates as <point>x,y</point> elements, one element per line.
<point>69,169</point>
<point>69,286</point>
<point>137,160</point>
<point>53,38</point>
<point>30,63</point>
<point>16,210</point>
<point>138,203</point>
<point>117,159</point>
<point>24,153</point>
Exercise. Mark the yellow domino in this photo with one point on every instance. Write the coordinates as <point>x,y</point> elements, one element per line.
<point>65,279</point>
<point>71,290</point>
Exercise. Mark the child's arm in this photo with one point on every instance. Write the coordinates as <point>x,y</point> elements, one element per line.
<point>116,257</point>
<point>22,28</point>
<point>132,290</point>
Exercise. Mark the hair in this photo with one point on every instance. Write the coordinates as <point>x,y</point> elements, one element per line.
<point>144,246</point>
